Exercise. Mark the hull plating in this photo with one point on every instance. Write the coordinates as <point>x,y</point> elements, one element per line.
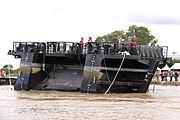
<point>96,69</point>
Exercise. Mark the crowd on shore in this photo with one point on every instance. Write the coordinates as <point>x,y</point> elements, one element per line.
<point>167,75</point>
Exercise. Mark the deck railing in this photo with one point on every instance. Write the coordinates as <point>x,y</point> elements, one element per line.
<point>90,48</point>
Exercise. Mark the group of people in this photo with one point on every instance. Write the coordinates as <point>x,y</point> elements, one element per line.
<point>82,40</point>
<point>164,75</point>
<point>131,43</point>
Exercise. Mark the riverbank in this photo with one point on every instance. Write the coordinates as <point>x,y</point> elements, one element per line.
<point>159,82</point>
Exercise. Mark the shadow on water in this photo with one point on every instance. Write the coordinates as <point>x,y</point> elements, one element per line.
<point>161,92</point>
<point>36,95</point>
<point>57,95</point>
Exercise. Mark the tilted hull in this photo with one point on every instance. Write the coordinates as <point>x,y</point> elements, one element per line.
<point>94,70</point>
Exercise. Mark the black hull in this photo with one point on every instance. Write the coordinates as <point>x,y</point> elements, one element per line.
<point>91,72</point>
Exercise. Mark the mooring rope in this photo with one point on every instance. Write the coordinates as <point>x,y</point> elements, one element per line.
<point>116,74</point>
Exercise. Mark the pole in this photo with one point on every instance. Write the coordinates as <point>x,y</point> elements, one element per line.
<point>9,78</point>
<point>9,75</point>
<point>173,60</point>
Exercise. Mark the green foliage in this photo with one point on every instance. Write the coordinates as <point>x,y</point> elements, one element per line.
<point>171,61</point>
<point>141,34</point>
<point>115,36</point>
<point>7,68</point>
<point>15,72</point>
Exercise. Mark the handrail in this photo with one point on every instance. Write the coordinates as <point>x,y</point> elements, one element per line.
<point>90,48</point>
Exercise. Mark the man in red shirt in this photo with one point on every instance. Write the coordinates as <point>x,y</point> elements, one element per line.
<point>82,41</point>
<point>133,43</point>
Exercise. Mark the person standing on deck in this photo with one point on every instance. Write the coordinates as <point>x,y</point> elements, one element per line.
<point>133,45</point>
<point>81,44</point>
<point>90,39</point>
<point>82,41</point>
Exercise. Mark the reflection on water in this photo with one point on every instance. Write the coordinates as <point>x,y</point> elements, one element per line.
<point>162,104</point>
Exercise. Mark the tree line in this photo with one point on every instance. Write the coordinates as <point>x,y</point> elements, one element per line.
<point>141,34</point>
<point>8,69</point>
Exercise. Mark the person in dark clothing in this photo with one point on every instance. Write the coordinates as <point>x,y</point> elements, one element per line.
<point>171,75</point>
<point>176,76</point>
<point>90,39</point>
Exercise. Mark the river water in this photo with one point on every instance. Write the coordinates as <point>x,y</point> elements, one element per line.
<point>162,104</point>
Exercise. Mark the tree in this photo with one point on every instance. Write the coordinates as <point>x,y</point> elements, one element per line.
<point>7,68</point>
<point>141,34</point>
<point>171,61</point>
<point>116,36</point>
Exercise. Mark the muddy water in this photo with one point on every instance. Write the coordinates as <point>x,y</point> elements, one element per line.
<point>162,104</point>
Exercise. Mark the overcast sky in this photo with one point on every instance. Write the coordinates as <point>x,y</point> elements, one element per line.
<point>69,20</point>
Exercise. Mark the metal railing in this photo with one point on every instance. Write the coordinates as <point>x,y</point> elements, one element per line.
<point>29,47</point>
<point>90,48</point>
